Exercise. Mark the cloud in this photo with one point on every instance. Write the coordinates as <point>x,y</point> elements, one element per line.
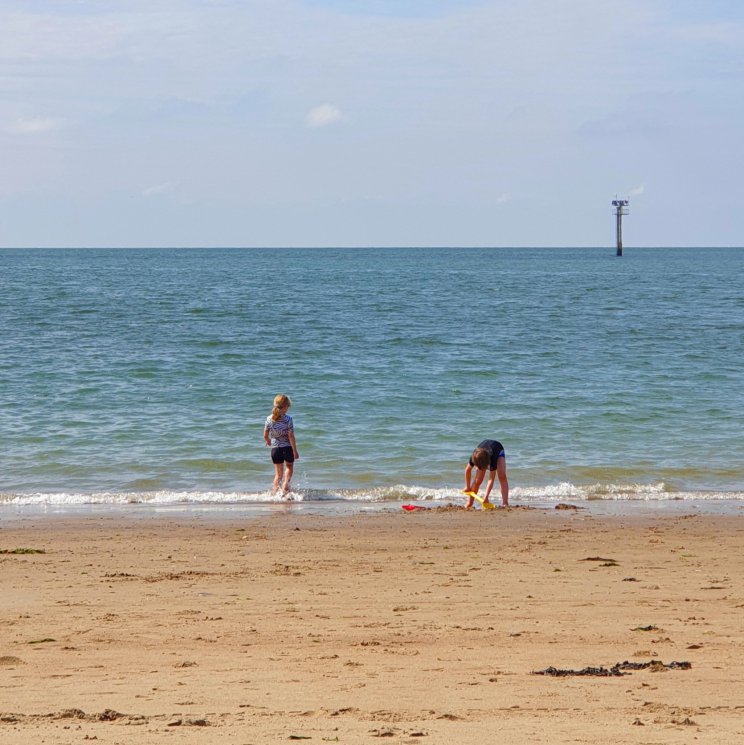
<point>622,125</point>
<point>503,198</point>
<point>394,8</point>
<point>152,191</point>
<point>35,125</point>
<point>323,116</point>
<point>637,191</point>
<point>712,32</point>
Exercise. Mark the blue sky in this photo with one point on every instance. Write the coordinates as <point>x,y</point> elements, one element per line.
<point>370,122</point>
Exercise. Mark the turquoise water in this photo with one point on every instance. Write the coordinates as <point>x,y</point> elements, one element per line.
<point>146,375</point>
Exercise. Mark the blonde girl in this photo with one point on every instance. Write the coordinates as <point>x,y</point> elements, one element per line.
<point>279,436</point>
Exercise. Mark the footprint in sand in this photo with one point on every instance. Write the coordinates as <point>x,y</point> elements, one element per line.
<point>9,661</point>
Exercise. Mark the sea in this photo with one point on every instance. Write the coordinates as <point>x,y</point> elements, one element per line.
<point>143,377</point>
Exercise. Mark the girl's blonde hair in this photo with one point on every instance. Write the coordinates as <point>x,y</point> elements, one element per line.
<point>281,404</point>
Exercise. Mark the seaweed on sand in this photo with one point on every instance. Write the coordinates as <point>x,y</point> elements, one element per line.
<point>618,669</point>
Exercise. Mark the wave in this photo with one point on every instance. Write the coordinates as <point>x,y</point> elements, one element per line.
<point>564,491</point>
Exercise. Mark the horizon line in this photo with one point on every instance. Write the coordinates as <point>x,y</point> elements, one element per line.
<point>339,247</point>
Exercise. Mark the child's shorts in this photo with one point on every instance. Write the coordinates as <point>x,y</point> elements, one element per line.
<point>283,454</point>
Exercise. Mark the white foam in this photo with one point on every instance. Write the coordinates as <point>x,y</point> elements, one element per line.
<point>398,492</point>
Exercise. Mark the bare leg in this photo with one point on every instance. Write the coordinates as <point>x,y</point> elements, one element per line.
<point>288,477</point>
<point>503,482</point>
<point>278,471</point>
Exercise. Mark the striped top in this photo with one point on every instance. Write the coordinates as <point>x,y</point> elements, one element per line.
<point>279,430</point>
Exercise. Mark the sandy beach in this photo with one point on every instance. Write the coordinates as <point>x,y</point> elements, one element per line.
<point>428,627</point>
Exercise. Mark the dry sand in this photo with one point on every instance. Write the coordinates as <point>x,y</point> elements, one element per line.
<point>425,627</point>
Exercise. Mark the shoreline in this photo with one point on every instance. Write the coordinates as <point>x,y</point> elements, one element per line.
<point>227,511</point>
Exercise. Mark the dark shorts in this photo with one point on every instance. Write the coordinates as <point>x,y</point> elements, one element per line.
<point>282,455</point>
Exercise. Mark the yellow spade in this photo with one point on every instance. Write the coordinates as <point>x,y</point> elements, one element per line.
<point>484,505</point>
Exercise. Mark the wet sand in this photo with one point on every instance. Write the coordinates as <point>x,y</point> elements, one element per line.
<point>422,627</point>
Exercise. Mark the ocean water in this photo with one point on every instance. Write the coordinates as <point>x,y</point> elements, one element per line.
<point>145,376</point>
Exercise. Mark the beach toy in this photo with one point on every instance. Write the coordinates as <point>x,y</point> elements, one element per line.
<point>484,505</point>
<point>411,507</point>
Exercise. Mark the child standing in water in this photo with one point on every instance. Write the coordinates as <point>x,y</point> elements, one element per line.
<point>279,436</point>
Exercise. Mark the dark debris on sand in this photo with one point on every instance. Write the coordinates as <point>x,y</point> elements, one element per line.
<point>618,669</point>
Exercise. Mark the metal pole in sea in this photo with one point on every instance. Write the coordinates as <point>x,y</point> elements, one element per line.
<point>621,208</point>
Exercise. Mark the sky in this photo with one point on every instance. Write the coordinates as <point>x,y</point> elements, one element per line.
<point>370,122</point>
